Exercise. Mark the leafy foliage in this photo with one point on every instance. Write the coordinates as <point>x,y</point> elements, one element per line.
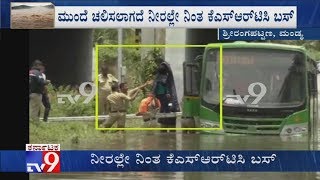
<point>141,63</point>
<point>72,133</point>
<point>69,109</point>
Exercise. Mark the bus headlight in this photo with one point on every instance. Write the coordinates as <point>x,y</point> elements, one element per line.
<point>297,129</point>
<point>289,130</point>
<point>294,129</point>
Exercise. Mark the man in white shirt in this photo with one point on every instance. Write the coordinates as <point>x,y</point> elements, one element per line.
<point>106,80</point>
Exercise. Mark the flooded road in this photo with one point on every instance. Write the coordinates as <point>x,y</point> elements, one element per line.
<point>158,141</point>
<point>171,141</point>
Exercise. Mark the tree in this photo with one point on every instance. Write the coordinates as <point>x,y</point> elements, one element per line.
<point>139,69</point>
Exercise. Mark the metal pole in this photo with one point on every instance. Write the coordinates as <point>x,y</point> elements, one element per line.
<point>120,42</point>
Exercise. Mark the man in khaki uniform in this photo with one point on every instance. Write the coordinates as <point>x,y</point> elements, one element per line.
<point>117,107</point>
<point>106,80</point>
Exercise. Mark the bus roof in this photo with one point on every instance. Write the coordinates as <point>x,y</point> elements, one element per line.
<point>243,44</point>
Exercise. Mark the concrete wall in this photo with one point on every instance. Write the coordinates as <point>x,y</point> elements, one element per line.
<point>152,36</point>
<point>66,53</point>
<point>176,57</point>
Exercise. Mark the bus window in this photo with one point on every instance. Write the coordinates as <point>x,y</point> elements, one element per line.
<point>281,72</point>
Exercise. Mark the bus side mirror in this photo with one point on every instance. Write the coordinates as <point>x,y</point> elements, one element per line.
<point>199,58</point>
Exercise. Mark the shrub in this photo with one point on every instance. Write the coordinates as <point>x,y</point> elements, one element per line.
<point>69,109</point>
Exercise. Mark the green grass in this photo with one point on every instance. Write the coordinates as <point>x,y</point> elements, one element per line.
<point>69,109</point>
<point>70,132</point>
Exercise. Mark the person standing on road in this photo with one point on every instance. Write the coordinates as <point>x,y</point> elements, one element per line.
<point>36,88</point>
<point>117,107</point>
<point>164,89</point>
<point>106,80</point>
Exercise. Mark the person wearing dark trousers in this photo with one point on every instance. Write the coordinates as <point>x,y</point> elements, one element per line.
<point>45,97</point>
<point>36,87</point>
<point>164,90</point>
<point>47,106</point>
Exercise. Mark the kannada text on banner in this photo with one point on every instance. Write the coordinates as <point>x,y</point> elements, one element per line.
<point>269,34</point>
<point>161,161</point>
<point>178,17</point>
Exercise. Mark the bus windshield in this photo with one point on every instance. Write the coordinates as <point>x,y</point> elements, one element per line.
<point>257,77</point>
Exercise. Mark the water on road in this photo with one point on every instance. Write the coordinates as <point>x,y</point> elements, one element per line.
<point>157,141</point>
<point>177,141</point>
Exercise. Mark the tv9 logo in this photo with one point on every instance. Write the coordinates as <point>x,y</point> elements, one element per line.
<point>43,158</point>
<point>82,91</point>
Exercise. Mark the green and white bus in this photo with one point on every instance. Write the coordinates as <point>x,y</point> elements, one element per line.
<point>267,89</point>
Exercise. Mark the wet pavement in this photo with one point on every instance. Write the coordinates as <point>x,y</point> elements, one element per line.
<point>158,141</point>
<point>171,141</point>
